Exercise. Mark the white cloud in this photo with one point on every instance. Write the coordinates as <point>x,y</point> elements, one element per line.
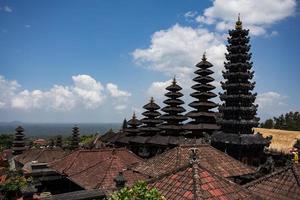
<point>115,92</point>
<point>88,90</point>
<point>271,104</point>
<point>85,92</point>
<point>158,89</point>
<point>27,26</point>
<point>119,97</point>
<point>175,51</point>
<point>190,14</point>
<point>257,15</point>
<point>6,9</point>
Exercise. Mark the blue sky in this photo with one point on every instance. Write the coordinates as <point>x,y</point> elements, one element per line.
<point>98,61</point>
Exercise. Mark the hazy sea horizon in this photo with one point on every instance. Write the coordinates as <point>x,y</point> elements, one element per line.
<point>53,129</point>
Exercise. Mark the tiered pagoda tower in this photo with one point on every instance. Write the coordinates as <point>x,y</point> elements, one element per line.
<point>173,118</point>
<point>203,119</point>
<point>75,138</point>
<point>151,119</point>
<point>238,110</point>
<point>18,146</point>
<point>133,129</point>
<point>146,140</point>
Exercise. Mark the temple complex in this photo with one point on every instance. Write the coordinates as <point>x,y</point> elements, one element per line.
<point>238,112</point>
<point>203,119</point>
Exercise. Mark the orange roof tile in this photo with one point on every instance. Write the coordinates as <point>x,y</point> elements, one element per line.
<point>211,158</point>
<point>280,185</point>
<point>41,155</point>
<point>94,169</point>
<point>193,181</point>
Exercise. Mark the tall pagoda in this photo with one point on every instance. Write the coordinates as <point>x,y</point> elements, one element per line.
<point>238,112</point>
<point>18,145</point>
<point>75,138</point>
<point>203,118</point>
<point>173,118</point>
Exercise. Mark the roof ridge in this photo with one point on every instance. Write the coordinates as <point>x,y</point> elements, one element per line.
<point>73,161</point>
<point>177,169</point>
<point>88,167</point>
<point>39,154</point>
<point>296,175</point>
<point>109,166</point>
<point>226,155</point>
<point>196,181</point>
<point>259,180</point>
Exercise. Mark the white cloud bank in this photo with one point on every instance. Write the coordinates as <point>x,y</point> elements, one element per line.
<point>85,92</point>
<point>257,15</point>
<point>175,51</point>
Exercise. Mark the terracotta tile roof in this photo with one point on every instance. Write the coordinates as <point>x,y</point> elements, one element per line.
<point>94,169</point>
<point>211,158</point>
<point>41,155</point>
<point>280,185</point>
<point>196,182</point>
<point>6,154</point>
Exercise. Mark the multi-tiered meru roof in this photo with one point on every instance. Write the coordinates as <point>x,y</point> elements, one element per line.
<point>238,110</point>
<point>173,116</point>
<point>75,138</point>
<point>151,119</point>
<point>203,118</point>
<point>18,145</point>
<point>133,124</point>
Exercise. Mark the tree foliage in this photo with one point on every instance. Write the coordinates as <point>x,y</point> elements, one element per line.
<point>139,191</point>
<point>6,141</point>
<point>289,121</point>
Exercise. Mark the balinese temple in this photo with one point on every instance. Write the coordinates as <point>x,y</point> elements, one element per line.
<point>238,112</point>
<point>173,118</point>
<point>203,118</point>
<point>18,146</point>
<point>75,138</point>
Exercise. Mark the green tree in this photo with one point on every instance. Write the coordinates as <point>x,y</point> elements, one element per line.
<point>6,141</point>
<point>139,191</point>
<point>269,123</point>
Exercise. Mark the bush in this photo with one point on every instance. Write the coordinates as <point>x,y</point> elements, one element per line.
<point>139,191</point>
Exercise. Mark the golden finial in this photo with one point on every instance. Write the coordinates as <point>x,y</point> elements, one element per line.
<point>133,116</point>
<point>238,24</point>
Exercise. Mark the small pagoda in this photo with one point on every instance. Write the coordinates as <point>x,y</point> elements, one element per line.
<point>133,124</point>
<point>173,118</point>
<point>203,118</point>
<point>75,138</point>
<point>18,146</point>
<point>146,142</point>
<point>238,112</point>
